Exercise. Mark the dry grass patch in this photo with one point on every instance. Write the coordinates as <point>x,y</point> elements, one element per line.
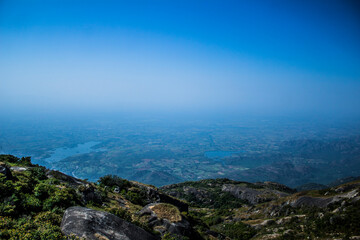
<point>167,211</point>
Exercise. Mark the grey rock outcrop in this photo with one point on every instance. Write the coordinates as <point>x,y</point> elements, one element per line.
<point>94,225</point>
<point>253,196</point>
<point>308,201</point>
<point>19,169</point>
<point>322,202</point>
<point>74,182</point>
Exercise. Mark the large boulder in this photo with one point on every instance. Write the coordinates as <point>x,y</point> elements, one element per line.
<point>166,218</point>
<point>94,225</point>
<point>73,182</point>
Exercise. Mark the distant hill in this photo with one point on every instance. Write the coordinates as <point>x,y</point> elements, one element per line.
<point>317,186</point>
<point>343,180</point>
<point>311,186</point>
<point>299,162</point>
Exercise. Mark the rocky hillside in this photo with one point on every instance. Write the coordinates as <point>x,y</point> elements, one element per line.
<point>273,211</point>
<point>220,193</point>
<point>38,203</point>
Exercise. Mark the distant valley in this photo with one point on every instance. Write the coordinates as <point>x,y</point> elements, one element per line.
<point>164,151</point>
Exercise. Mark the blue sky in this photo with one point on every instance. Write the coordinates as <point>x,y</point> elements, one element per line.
<point>274,56</point>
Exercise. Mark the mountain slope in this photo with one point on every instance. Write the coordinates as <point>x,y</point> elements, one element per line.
<point>38,203</point>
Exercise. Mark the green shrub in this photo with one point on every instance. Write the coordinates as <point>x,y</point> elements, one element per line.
<point>136,197</point>
<point>39,172</point>
<point>25,161</point>
<point>8,158</point>
<point>7,209</point>
<point>213,220</point>
<point>62,198</point>
<point>43,190</point>
<point>24,182</point>
<point>121,213</point>
<point>238,231</point>
<point>6,187</point>
<point>168,236</point>
<point>31,203</point>
<point>114,181</point>
<point>51,217</point>
<point>25,228</point>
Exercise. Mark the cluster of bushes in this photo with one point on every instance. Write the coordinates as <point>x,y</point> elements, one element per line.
<point>44,225</point>
<point>125,188</point>
<point>31,206</point>
<point>114,181</point>
<point>214,199</point>
<point>15,161</point>
<point>28,192</point>
<point>237,230</point>
<point>121,213</point>
<point>169,236</point>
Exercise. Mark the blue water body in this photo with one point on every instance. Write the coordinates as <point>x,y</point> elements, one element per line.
<point>62,153</point>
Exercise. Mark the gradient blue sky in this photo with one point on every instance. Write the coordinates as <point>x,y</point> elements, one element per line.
<point>274,56</point>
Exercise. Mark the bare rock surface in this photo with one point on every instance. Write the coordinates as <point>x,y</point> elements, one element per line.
<point>253,196</point>
<point>323,202</point>
<point>19,169</point>
<point>311,202</point>
<point>74,182</point>
<point>94,225</point>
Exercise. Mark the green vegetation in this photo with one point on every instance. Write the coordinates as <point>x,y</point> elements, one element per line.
<point>121,213</point>
<point>127,190</point>
<point>237,230</point>
<point>346,222</point>
<point>169,236</point>
<point>15,161</point>
<point>31,206</point>
<point>113,181</point>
